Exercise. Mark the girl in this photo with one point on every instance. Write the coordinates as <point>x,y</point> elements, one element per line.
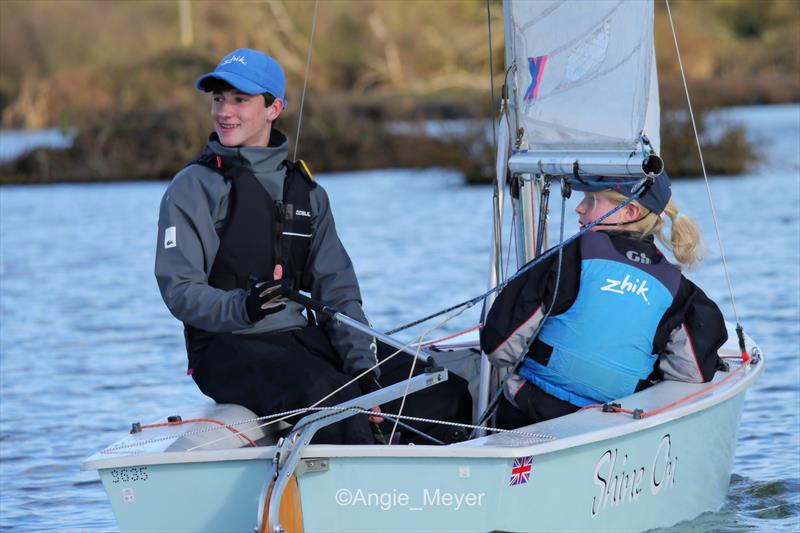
<point>615,319</point>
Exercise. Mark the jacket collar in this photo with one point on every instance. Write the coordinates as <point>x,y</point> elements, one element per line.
<point>265,162</point>
<point>259,159</point>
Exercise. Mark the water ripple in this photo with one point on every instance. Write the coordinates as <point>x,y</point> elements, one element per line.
<point>87,347</point>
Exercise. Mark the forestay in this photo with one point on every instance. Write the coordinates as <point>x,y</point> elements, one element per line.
<point>584,83</point>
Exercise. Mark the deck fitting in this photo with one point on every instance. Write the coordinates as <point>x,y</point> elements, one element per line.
<point>611,407</point>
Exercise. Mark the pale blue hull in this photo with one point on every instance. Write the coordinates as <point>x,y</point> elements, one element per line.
<point>220,496</point>
<point>651,477</point>
<point>663,468</point>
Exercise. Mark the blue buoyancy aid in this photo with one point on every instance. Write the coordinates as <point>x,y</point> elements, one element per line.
<point>602,346</point>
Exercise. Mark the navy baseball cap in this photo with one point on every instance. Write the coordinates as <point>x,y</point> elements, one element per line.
<point>655,199</point>
<point>250,71</point>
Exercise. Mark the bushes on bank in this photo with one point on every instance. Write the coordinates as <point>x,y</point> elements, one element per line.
<point>152,142</point>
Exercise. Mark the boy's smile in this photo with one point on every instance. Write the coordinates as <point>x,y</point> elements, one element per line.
<point>241,119</point>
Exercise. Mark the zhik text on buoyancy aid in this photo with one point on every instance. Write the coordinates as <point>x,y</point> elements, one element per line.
<point>600,349</point>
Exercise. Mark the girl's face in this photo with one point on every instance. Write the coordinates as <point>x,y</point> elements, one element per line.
<point>242,119</point>
<point>593,206</point>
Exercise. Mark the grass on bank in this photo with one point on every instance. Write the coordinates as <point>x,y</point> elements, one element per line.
<point>118,71</point>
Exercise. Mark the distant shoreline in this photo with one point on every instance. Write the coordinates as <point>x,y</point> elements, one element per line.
<point>410,146</point>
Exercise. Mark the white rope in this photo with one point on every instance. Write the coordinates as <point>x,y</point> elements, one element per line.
<point>286,414</point>
<point>290,414</point>
<point>305,79</point>
<point>279,417</point>
<point>539,436</point>
<point>413,365</point>
<point>355,379</point>
<point>703,166</point>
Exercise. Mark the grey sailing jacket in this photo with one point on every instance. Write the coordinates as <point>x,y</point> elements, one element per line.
<point>195,205</point>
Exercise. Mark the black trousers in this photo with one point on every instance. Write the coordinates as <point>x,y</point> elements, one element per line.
<point>450,401</point>
<point>535,405</point>
<point>289,370</point>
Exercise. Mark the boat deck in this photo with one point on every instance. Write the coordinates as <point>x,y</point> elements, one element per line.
<point>204,442</point>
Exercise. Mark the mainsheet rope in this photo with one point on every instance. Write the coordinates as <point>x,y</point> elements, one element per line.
<point>288,414</point>
<point>453,336</point>
<point>418,342</point>
<point>295,412</point>
<point>414,364</point>
<point>490,407</point>
<point>638,190</point>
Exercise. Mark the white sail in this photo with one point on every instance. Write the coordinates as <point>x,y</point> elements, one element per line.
<point>652,120</point>
<point>584,79</point>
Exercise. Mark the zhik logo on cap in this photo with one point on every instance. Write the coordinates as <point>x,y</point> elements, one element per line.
<point>249,71</point>
<point>233,59</point>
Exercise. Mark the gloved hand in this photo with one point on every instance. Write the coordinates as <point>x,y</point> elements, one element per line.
<point>369,383</point>
<point>264,298</point>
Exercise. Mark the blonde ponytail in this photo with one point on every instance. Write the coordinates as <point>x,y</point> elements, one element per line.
<point>684,238</point>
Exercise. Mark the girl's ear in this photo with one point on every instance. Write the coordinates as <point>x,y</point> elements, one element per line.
<point>632,212</point>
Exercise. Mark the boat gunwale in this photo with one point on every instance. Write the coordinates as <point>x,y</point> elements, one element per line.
<point>615,425</point>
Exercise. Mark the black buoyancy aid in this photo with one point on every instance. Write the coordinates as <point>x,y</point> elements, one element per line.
<point>257,234</point>
<point>260,232</point>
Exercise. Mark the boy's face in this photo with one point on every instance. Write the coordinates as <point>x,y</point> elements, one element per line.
<point>242,119</point>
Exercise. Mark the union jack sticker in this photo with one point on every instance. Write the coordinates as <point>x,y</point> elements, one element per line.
<point>521,471</point>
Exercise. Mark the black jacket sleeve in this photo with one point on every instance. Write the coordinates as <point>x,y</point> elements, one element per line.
<point>689,336</point>
<point>519,308</point>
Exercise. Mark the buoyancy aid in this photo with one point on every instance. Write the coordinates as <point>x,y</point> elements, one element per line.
<point>259,232</point>
<point>601,348</point>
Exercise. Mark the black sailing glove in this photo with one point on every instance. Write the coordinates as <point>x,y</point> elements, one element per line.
<point>264,298</point>
<point>368,383</point>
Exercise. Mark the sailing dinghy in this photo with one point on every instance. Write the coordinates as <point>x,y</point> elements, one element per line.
<point>581,99</point>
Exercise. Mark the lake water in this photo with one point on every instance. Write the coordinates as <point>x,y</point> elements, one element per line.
<point>87,346</point>
<point>14,143</point>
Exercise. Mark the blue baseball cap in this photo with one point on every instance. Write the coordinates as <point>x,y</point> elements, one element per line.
<point>655,199</point>
<point>250,71</point>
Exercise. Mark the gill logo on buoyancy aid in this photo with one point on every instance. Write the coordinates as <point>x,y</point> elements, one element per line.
<point>638,257</point>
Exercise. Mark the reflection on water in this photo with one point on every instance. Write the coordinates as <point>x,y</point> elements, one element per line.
<point>87,347</point>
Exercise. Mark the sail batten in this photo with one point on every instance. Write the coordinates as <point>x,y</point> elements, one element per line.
<point>584,76</point>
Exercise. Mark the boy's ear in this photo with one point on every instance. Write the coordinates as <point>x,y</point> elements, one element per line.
<point>275,109</point>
